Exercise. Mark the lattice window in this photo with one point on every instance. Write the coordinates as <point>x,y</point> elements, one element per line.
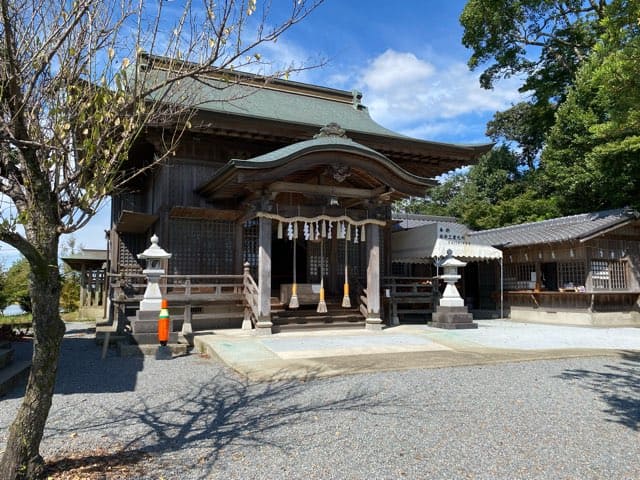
<point>518,276</point>
<point>129,247</point>
<point>609,275</point>
<point>201,247</point>
<point>571,274</point>
<point>400,269</point>
<point>317,259</point>
<point>353,257</point>
<point>250,245</point>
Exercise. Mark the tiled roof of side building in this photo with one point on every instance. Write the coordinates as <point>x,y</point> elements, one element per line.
<point>575,227</point>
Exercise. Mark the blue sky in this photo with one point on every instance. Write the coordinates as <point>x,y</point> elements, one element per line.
<point>405,56</point>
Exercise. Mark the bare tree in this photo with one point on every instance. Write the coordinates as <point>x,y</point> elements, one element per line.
<point>74,98</point>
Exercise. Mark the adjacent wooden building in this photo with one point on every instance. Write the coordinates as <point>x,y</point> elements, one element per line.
<point>582,269</point>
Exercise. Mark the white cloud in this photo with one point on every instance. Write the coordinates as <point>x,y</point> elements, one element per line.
<point>391,68</point>
<point>276,57</point>
<point>403,91</point>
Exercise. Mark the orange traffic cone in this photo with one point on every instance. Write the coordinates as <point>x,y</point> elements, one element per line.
<point>163,323</point>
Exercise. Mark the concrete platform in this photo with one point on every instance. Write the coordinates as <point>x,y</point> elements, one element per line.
<point>336,352</point>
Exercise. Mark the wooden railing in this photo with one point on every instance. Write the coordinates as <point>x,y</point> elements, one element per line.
<point>409,295</point>
<point>251,297</point>
<point>188,291</point>
<point>573,301</point>
<point>364,303</point>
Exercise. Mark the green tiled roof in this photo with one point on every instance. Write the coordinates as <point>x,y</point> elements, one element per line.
<point>301,147</point>
<point>304,104</point>
<point>284,101</point>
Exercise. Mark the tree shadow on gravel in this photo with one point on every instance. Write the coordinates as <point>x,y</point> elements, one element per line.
<point>618,386</point>
<point>99,464</point>
<point>227,416</point>
<point>80,369</point>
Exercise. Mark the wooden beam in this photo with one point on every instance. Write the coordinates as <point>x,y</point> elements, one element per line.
<point>205,213</point>
<point>263,325</point>
<point>373,320</point>
<point>328,190</point>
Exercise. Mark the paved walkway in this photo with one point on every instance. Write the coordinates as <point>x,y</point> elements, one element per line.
<point>327,353</point>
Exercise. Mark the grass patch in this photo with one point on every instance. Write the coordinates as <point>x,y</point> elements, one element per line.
<point>86,314</point>
<point>26,318</point>
<point>23,319</point>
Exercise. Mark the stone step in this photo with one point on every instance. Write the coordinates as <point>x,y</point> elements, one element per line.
<point>152,338</point>
<point>12,374</point>
<point>317,317</point>
<point>136,350</point>
<point>199,321</point>
<point>6,356</point>
<point>292,327</point>
<point>453,326</point>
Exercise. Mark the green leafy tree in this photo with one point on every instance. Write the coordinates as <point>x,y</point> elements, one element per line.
<point>4,298</point>
<point>74,98</point>
<point>540,41</point>
<point>16,284</point>
<point>491,194</point>
<point>574,134</point>
<point>70,291</point>
<point>594,145</point>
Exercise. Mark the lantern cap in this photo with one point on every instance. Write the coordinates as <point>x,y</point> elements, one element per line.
<point>451,261</point>
<point>154,251</point>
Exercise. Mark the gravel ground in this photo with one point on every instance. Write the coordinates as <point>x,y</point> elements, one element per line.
<point>191,418</point>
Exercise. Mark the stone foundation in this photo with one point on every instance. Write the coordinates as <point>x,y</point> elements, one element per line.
<point>452,318</point>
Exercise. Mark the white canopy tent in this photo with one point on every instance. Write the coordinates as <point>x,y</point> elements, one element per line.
<point>432,242</point>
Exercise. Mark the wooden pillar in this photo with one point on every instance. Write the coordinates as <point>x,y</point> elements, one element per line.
<point>263,325</point>
<point>373,320</point>
<point>83,285</point>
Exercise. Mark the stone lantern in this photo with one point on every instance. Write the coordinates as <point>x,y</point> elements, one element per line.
<point>451,312</point>
<point>153,256</point>
<point>451,297</point>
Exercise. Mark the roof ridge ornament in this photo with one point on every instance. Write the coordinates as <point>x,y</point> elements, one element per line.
<point>331,130</point>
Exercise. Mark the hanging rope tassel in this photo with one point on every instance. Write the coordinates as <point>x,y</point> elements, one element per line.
<point>349,232</point>
<point>293,301</point>
<point>280,231</point>
<point>346,301</point>
<point>363,237</point>
<point>322,306</point>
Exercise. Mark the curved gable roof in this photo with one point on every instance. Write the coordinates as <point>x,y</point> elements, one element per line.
<point>330,140</point>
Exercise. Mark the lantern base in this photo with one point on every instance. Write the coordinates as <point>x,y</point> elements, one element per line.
<point>452,318</point>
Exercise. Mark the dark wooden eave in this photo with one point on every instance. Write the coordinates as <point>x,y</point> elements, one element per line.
<point>420,157</point>
<point>302,168</point>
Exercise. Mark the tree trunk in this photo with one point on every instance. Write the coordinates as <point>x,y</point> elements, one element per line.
<point>21,459</point>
